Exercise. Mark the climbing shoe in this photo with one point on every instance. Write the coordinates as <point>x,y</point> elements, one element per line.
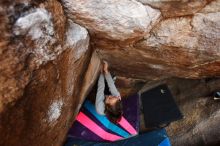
<point>217,95</point>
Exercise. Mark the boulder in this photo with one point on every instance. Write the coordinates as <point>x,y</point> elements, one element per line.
<point>113,19</point>
<point>44,58</point>
<point>186,47</point>
<point>50,62</point>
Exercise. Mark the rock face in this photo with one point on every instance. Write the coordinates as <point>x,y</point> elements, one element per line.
<point>91,75</point>
<point>50,55</point>
<point>113,19</point>
<point>185,47</point>
<point>195,42</point>
<point>37,27</point>
<point>174,8</point>
<point>43,58</point>
<point>26,46</point>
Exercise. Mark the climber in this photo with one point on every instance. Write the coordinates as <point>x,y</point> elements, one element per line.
<point>109,105</point>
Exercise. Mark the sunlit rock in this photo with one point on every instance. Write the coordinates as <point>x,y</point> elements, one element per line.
<point>114,20</point>
<point>176,8</point>
<point>186,47</point>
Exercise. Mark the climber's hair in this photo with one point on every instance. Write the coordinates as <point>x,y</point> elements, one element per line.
<point>114,112</point>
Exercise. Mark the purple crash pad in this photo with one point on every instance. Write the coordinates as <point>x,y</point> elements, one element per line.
<point>130,113</point>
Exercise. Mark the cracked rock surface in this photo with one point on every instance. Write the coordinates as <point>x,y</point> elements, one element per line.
<point>113,19</point>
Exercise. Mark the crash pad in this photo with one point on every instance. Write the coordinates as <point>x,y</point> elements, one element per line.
<point>153,138</point>
<point>159,107</point>
<point>89,125</point>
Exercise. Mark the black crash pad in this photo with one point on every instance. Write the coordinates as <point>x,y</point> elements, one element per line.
<point>159,107</point>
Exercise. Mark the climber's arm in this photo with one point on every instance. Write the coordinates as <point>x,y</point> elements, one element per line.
<point>99,103</point>
<point>111,84</point>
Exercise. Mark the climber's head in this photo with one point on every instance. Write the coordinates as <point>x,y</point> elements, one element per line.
<point>113,108</point>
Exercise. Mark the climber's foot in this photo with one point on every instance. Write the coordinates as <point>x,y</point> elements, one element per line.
<point>217,95</point>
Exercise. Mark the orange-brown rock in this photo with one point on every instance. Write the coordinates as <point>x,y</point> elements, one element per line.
<point>176,8</point>
<point>23,44</point>
<point>186,47</point>
<point>43,61</point>
<point>213,6</point>
<point>90,78</point>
